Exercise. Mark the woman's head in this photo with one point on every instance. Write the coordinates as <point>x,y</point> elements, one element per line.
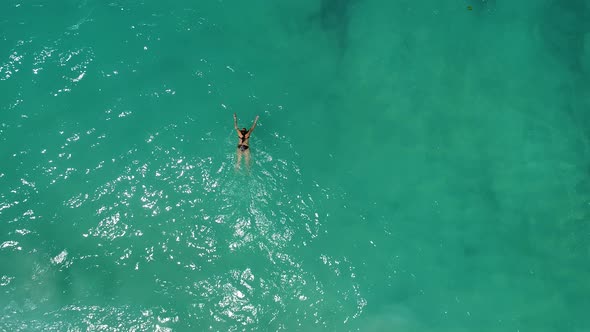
<point>244,131</point>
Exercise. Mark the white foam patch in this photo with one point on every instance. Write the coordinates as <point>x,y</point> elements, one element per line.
<point>60,258</point>
<point>9,244</point>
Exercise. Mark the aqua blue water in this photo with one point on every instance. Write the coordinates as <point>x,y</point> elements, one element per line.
<point>417,166</point>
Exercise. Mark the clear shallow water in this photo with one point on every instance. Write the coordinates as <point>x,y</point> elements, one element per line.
<point>417,166</point>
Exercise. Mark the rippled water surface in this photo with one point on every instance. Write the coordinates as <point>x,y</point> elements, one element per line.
<point>417,166</point>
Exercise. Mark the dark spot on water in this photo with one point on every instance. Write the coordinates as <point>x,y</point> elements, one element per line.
<point>482,6</point>
<point>470,250</point>
<point>563,26</point>
<point>333,14</point>
<point>333,18</point>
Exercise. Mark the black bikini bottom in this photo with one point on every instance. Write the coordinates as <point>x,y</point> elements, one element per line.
<point>243,147</point>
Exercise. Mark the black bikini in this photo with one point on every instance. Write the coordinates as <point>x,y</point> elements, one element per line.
<point>241,146</point>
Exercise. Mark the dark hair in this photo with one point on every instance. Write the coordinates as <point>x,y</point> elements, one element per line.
<point>244,131</point>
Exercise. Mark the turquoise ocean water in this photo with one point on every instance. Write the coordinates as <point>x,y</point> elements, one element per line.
<point>418,166</point>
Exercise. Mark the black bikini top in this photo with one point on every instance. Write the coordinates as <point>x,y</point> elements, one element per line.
<point>243,138</point>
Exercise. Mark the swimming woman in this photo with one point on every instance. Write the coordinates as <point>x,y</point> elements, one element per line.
<point>244,144</point>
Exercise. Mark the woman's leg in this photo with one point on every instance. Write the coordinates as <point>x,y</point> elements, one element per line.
<point>247,153</point>
<point>239,153</point>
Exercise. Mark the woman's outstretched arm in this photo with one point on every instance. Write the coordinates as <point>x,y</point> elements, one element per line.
<point>235,121</point>
<point>253,125</point>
